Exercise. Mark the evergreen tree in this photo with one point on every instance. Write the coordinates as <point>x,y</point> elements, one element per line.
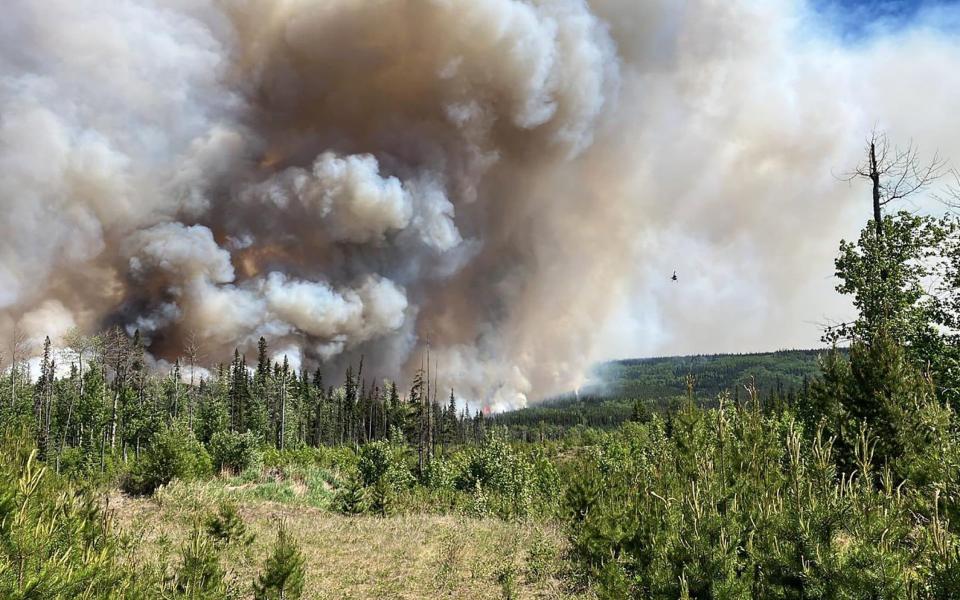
<point>640,412</point>
<point>282,577</point>
<point>212,413</point>
<point>352,499</point>
<point>199,574</point>
<point>348,407</point>
<point>43,399</point>
<point>451,425</point>
<point>318,404</point>
<point>282,392</point>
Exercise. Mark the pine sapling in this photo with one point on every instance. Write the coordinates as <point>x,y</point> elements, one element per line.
<point>200,574</point>
<point>283,573</point>
<point>226,526</point>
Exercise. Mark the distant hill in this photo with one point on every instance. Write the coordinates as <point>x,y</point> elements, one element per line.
<point>658,382</point>
<point>651,378</point>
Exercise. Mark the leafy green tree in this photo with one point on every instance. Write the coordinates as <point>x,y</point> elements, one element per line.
<point>234,451</point>
<point>886,276</point>
<point>174,453</point>
<point>385,461</point>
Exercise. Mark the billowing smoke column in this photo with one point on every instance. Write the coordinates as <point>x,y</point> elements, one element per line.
<point>340,177</point>
<point>507,182</point>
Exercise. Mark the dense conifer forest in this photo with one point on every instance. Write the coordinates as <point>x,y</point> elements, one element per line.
<point>633,389</point>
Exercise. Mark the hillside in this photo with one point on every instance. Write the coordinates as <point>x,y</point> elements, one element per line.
<point>657,382</point>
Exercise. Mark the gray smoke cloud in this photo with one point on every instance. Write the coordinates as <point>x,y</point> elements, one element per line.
<point>507,182</point>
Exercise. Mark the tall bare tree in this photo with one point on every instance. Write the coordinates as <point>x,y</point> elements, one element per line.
<point>18,347</point>
<point>77,346</point>
<point>895,173</point>
<point>116,353</point>
<point>418,404</point>
<point>874,268</point>
<point>193,351</point>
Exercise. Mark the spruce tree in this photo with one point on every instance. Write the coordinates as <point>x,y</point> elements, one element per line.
<point>236,405</point>
<point>450,420</point>
<point>348,407</point>
<point>352,498</point>
<point>282,400</point>
<point>283,573</point>
<point>43,399</point>
<point>319,407</point>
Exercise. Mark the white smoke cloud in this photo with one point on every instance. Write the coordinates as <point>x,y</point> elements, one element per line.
<point>347,194</point>
<point>181,251</point>
<point>375,308</point>
<point>51,319</point>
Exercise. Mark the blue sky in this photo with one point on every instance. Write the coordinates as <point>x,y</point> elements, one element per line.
<point>855,20</point>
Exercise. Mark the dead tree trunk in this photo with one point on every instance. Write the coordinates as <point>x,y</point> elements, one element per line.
<point>875,179</point>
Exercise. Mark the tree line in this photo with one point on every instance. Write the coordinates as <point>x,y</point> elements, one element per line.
<point>109,404</point>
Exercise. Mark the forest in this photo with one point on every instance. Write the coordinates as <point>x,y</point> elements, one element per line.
<point>827,473</point>
<point>633,389</point>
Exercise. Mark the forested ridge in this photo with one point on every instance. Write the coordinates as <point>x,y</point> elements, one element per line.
<point>632,388</point>
<point>828,473</point>
<point>712,373</point>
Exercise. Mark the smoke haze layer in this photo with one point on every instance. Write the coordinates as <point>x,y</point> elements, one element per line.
<point>509,183</point>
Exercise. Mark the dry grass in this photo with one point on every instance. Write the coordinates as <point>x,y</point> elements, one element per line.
<point>410,556</point>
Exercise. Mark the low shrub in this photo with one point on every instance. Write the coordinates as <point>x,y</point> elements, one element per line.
<point>174,453</point>
<point>234,451</point>
<point>385,462</point>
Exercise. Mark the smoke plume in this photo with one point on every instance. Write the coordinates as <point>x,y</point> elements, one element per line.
<point>507,182</point>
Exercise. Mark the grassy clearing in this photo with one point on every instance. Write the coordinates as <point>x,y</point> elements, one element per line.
<point>405,556</point>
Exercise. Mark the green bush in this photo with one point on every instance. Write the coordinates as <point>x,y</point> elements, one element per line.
<point>75,463</point>
<point>174,453</point>
<point>494,466</point>
<point>511,483</point>
<point>234,451</point>
<point>384,462</point>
